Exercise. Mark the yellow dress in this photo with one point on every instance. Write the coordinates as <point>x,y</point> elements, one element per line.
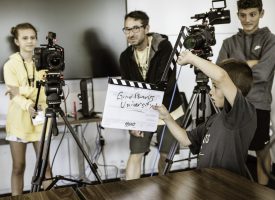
<point>19,123</point>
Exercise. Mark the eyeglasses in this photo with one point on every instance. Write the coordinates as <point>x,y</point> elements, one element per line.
<point>134,29</point>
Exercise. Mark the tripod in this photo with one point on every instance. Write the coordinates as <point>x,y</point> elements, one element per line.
<point>200,92</point>
<point>53,88</point>
<point>201,89</point>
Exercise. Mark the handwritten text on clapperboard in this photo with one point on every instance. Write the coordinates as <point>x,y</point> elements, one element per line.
<point>131,108</point>
<point>136,101</point>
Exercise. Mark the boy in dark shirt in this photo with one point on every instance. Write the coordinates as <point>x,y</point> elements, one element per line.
<point>256,47</point>
<point>223,140</point>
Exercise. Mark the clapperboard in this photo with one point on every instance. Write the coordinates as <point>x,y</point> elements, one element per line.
<point>128,105</point>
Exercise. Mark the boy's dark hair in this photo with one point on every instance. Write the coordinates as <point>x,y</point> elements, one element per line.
<point>138,15</point>
<point>14,30</point>
<point>245,4</point>
<point>240,73</point>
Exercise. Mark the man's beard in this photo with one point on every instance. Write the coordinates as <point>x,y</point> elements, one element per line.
<point>138,43</point>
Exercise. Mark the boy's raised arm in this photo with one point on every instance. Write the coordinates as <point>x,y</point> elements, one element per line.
<point>219,76</point>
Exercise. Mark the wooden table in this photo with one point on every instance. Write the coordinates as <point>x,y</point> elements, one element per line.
<point>80,120</point>
<point>203,184</point>
<point>212,184</point>
<point>60,122</point>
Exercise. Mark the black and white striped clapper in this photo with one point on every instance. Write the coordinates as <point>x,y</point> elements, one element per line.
<point>128,105</point>
<point>172,61</point>
<point>136,84</point>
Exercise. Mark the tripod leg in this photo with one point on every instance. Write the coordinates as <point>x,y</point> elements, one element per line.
<point>81,161</point>
<point>170,157</point>
<point>92,165</point>
<point>42,158</point>
<point>201,108</point>
<point>217,110</point>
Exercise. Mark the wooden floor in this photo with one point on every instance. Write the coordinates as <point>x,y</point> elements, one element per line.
<point>202,184</point>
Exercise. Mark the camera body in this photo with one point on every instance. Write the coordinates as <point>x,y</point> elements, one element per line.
<point>200,37</point>
<point>50,56</point>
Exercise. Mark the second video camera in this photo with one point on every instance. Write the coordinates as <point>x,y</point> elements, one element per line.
<point>49,56</point>
<point>201,37</point>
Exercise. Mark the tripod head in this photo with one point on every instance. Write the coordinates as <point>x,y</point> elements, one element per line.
<point>53,84</point>
<point>53,88</point>
<point>201,79</point>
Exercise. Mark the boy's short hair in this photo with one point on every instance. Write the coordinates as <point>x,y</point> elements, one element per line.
<point>245,4</point>
<point>240,73</point>
<point>138,15</point>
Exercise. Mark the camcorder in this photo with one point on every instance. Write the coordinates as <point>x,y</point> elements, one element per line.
<point>49,56</point>
<point>201,37</point>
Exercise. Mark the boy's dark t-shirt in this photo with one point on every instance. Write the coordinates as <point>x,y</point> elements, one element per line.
<point>223,140</point>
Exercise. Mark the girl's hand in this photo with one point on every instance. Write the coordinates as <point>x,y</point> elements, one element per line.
<point>32,111</point>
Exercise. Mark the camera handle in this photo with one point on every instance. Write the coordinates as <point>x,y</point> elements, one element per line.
<point>38,86</point>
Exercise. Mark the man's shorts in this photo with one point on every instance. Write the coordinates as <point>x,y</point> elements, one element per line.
<point>261,137</point>
<point>142,145</point>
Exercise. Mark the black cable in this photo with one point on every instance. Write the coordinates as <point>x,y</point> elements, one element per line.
<point>64,131</point>
<point>59,145</point>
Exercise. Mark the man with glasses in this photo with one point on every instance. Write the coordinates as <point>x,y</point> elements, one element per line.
<point>144,60</point>
<point>256,46</point>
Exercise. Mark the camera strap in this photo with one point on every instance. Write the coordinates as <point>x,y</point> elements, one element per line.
<point>142,59</point>
<point>30,80</point>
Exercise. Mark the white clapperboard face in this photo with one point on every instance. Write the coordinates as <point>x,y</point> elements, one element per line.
<point>128,105</point>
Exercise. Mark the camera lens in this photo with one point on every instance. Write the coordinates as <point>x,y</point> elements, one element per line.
<point>54,60</point>
<point>194,41</point>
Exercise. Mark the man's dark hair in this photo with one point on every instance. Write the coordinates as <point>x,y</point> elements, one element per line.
<point>138,15</point>
<point>240,73</point>
<point>245,4</point>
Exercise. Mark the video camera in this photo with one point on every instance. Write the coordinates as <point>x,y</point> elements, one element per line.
<point>49,56</point>
<point>200,37</point>
<point>217,14</point>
